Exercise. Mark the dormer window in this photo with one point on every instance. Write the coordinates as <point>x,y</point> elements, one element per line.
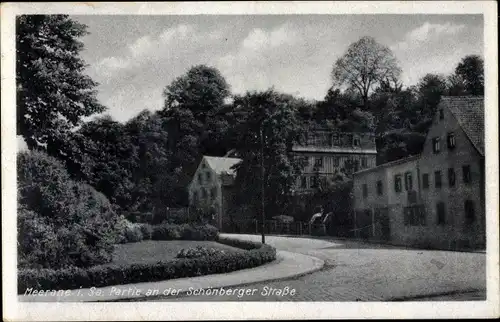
<point>441,114</point>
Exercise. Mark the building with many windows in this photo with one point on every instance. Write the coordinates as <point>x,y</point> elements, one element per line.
<point>329,152</point>
<point>435,199</point>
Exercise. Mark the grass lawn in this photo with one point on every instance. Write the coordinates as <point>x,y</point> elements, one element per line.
<point>159,250</point>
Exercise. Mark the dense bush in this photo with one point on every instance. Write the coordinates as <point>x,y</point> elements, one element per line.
<point>104,275</point>
<point>184,231</point>
<point>198,251</point>
<point>61,222</point>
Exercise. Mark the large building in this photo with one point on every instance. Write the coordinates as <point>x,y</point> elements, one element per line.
<point>435,199</point>
<point>329,153</point>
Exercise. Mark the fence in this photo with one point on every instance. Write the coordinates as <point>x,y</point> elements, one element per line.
<point>275,227</point>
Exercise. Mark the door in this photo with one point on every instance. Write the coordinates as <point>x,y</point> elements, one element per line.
<point>382,221</point>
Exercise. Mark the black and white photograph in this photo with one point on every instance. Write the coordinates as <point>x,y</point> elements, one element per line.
<point>211,160</point>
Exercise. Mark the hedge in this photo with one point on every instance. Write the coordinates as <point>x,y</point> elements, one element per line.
<point>105,275</point>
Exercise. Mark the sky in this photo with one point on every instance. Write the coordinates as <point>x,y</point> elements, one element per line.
<point>135,57</point>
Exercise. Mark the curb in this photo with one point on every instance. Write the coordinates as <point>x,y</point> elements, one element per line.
<point>287,265</point>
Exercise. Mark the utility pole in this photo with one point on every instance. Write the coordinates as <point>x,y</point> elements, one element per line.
<point>262,181</point>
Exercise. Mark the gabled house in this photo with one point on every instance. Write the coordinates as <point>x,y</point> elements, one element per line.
<point>211,187</point>
<point>435,199</point>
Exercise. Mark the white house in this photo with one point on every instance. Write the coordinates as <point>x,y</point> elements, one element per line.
<point>212,186</point>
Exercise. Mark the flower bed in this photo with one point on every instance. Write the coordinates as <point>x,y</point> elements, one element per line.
<point>105,275</point>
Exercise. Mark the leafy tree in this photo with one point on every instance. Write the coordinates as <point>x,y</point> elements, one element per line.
<point>194,105</point>
<point>468,78</point>
<point>339,110</point>
<point>53,93</point>
<point>266,130</point>
<point>150,176</point>
<point>112,159</point>
<point>364,66</point>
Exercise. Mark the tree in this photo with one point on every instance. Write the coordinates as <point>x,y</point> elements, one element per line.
<point>339,110</point>
<point>53,94</point>
<point>266,130</point>
<point>112,159</point>
<point>364,66</point>
<point>469,74</point>
<point>194,103</point>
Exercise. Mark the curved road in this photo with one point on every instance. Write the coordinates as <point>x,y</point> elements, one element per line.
<point>356,271</point>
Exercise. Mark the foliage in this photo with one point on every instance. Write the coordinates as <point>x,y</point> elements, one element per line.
<point>199,251</point>
<point>365,65</point>
<point>184,231</point>
<point>195,115</point>
<point>53,93</point>
<point>61,222</point>
<point>267,126</point>
<point>468,78</point>
<point>104,275</point>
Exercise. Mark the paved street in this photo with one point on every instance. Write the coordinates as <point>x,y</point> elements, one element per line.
<point>356,271</point>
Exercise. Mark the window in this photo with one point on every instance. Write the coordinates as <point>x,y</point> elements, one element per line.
<point>408,181</point>
<point>466,173</point>
<point>207,175</point>
<point>414,216</point>
<point>451,177</point>
<point>303,182</point>
<point>214,193</point>
<point>349,139</point>
<point>436,145</point>
<point>336,161</point>
<point>425,181</point>
<point>451,140</point>
<point>195,197</point>
<point>397,183</point>
<point>204,193</point>
<point>441,213</point>
<point>200,178</point>
<point>356,141</point>
<point>318,162</point>
<point>437,179</point>
<point>441,114</point>
<point>314,182</point>
<point>364,162</point>
<point>380,188</point>
<point>469,211</point>
<point>365,190</point>
<point>356,165</point>
<point>336,139</point>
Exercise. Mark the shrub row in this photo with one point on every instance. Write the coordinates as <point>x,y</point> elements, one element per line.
<point>104,275</point>
<point>136,232</point>
<point>198,251</point>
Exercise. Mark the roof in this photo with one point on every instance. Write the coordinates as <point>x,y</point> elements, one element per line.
<point>333,150</point>
<point>388,164</point>
<point>221,164</point>
<point>469,112</point>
